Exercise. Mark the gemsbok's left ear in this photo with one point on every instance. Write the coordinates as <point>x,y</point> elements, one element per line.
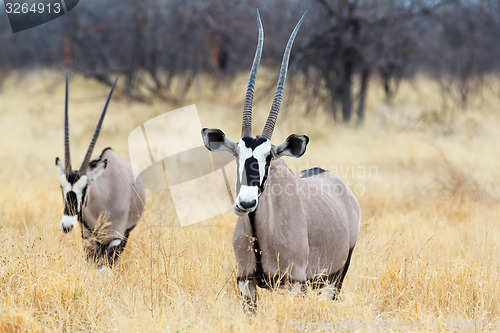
<point>294,146</point>
<point>97,170</point>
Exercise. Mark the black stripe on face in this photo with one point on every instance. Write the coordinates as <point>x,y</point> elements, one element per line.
<point>252,172</point>
<point>252,143</point>
<point>84,195</point>
<point>71,204</point>
<point>266,172</point>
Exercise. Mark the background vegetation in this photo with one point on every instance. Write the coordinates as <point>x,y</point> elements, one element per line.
<point>341,47</point>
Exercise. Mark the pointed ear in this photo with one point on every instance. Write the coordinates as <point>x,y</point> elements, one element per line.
<point>216,140</point>
<point>96,171</point>
<point>60,166</point>
<point>294,146</point>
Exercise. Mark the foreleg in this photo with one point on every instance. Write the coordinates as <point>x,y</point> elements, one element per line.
<point>248,288</point>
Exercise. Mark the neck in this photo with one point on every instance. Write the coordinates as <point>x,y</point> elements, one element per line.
<point>256,245</point>
<point>279,175</point>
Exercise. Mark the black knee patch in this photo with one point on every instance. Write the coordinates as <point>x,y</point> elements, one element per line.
<point>102,254</point>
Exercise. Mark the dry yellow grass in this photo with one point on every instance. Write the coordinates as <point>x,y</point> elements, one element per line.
<point>428,255</point>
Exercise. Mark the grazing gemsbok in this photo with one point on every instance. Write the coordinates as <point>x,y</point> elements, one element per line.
<point>293,227</point>
<point>102,195</point>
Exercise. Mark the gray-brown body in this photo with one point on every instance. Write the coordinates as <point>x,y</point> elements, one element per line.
<point>116,200</point>
<point>293,227</point>
<point>306,227</point>
<point>103,196</point>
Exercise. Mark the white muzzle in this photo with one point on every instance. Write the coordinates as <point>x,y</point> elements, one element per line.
<point>68,223</point>
<point>247,200</point>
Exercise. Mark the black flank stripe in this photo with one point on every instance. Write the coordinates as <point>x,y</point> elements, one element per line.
<point>311,172</point>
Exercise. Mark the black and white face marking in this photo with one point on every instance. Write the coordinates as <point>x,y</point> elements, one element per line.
<point>74,191</point>
<point>253,160</point>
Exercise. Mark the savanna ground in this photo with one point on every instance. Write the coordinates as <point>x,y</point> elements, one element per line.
<point>427,257</point>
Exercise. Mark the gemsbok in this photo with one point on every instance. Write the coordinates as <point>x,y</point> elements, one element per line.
<point>292,227</point>
<point>102,195</point>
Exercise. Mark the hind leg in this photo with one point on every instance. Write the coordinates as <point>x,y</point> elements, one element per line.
<point>337,285</point>
<point>112,251</point>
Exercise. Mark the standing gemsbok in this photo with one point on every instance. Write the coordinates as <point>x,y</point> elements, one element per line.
<point>293,227</point>
<point>102,195</point>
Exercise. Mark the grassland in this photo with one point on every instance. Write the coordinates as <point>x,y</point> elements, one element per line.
<point>427,258</point>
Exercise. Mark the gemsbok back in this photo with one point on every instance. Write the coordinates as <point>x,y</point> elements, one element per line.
<point>292,227</point>
<point>103,196</point>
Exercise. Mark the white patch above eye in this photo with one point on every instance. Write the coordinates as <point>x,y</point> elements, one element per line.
<point>243,153</point>
<point>78,189</point>
<point>80,184</point>
<point>261,153</point>
<point>66,186</point>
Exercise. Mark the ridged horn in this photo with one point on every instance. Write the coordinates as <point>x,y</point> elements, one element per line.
<point>86,160</point>
<point>67,157</point>
<point>275,108</point>
<point>246,127</point>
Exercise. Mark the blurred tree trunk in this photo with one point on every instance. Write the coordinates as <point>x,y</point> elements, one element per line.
<point>346,84</point>
<point>333,95</point>
<point>365,74</point>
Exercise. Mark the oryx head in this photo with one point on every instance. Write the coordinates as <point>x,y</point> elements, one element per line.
<point>75,183</point>
<point>254,155</point>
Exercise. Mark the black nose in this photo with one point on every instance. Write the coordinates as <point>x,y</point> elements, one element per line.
<point>247,204</point>
<point>67,229</point>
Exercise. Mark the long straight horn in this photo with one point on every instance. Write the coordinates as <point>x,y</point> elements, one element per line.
<point>246,128</point>
<point>275,108</point>
<point>85,163</point>
<point>67,157</point>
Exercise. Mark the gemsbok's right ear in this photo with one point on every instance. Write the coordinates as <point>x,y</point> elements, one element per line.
<point>60,166</point>
<point>216,140</point>
<point>294,146</point>
<point>97,169</point>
